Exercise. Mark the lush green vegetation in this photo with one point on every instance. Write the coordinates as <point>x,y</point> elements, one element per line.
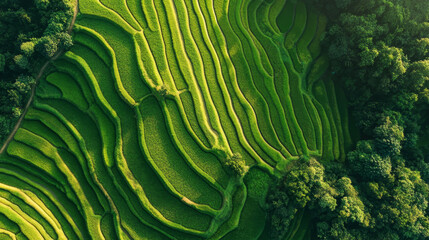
<point>31,33</point>
<point>379,52</point>
<point>205,119</point>
<point>345,205</point>
<point>171,119</point>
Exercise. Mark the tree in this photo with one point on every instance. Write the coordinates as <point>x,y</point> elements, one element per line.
<point>389,136</point>
<point>42,4</point>
<point>47,46</point>
<point>24,84</point>
<point>419,49</point>
<point>27,48</point>
<point>418,75</point>
<point>21,61</point>
<point>366,163</point>
<point>236,165</point>
<point>301,185</point>
<point>16,112</point>
<point>379,53</point>
<point>65,40</point>
<point>4,127</point>
<point>389,66</point>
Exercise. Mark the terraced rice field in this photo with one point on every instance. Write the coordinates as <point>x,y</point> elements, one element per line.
<point>131,130</point>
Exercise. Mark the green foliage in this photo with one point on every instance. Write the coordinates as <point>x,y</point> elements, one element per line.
<point>301,185</point>
<point>18,93</point>
<point>142,164</point>
<point>31,32</point>
<point>27,48</point>
<point>388,137</point>
<point>258,182</point>
<point>47,46</point>
<point>160,92</point>
<point>2,62</point>
<point>409,207</point>
<point>389,66</point>
<point>300,181</point>
<point>420,48</point>
<point>328,202</point>
<point>418,73</point>
<point>387,91</point>
<point>21,61</point>
<point>367,164</point>
<point>53,28</point>
<point>65,40</point>
<point>360,209</point>
<point>383,38</point>
<point>5,126</point>
<point>352,209</point>
<point>16,112</point>
<point>379,52</point>
<point>42,4</point>
<point>341,4</point>
<point>24,84</point>
<point>236,164</point>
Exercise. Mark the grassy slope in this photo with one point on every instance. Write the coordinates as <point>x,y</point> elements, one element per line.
<point>130,129</point>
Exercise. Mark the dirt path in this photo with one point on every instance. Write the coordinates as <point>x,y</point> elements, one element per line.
<point>33,89</point>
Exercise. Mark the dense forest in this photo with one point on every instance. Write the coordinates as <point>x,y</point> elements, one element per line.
<point>31,33</point>
<point>379,54</point>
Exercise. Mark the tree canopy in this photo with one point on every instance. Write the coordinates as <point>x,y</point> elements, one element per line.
<point>30,33</point>
<point>379,55</point>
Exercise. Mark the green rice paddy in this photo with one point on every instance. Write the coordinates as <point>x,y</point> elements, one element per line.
<point>129,132</point>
